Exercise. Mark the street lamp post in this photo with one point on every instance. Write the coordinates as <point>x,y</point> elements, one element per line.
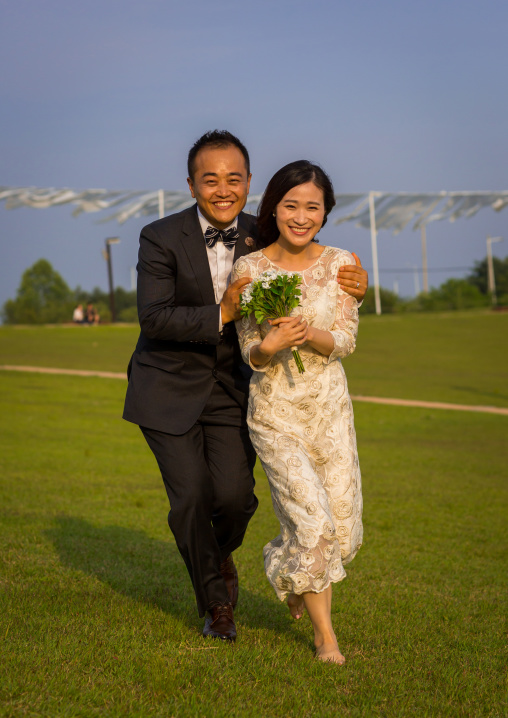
<point>490,268</point>
<point>107,256</point>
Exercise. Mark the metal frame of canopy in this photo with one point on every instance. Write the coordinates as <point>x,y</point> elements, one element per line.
<point>417,206</point>
<point>374,210</point>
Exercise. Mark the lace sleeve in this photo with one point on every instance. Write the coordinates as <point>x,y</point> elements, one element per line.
<point>249,333</point>
<point>345,326</point>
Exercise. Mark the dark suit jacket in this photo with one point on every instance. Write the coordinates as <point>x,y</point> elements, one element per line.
<point>180,352</point>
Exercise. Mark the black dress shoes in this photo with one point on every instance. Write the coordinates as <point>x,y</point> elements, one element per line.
<point>220,622</point>
<point>230,576</point>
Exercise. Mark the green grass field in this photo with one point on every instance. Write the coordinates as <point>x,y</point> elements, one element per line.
<point>97,613</point>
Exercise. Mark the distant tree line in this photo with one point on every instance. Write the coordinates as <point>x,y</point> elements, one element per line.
<point>43,296</point>
<point>468,293</point>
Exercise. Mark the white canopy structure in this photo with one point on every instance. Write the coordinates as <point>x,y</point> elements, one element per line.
<point>374,210</point>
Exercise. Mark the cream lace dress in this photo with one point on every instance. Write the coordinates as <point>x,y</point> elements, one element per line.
<point>301,426</point>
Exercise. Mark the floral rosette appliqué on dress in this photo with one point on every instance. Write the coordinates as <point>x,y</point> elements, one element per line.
<point>302,429</point>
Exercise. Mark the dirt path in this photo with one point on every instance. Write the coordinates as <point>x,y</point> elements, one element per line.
<point>369,399</point>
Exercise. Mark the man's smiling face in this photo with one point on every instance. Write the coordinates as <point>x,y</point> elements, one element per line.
<point>220,184</point>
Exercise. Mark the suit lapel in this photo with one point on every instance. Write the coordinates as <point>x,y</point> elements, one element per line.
<point>241,249</point>
<point>195,248</point>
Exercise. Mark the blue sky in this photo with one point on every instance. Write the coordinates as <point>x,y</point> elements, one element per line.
<point>393,96</point>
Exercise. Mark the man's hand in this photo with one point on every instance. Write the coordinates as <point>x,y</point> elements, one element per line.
<point>230,303</point>
<point>353,279</point>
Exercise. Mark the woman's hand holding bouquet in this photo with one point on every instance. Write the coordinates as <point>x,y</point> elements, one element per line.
<point>272,297</point>
<point>286,333</point>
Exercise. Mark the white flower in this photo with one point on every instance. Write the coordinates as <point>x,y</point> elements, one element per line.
<point>246,295</point>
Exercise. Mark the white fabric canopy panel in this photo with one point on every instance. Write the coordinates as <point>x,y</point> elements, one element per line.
<point>393,210</point>
<point>372,210</point>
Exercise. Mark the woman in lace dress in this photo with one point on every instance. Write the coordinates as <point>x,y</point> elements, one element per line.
<point>301,425</point>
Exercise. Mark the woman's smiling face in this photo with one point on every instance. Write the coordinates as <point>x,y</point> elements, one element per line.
<point>300,214</point>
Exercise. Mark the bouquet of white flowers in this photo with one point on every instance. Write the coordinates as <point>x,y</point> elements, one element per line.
<point>271,296</point>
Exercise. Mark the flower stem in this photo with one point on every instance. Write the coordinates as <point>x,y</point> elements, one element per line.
<point>298,360</point>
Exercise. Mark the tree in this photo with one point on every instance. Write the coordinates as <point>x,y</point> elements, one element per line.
<point>389,301</point>
<point>479,276</point>
<point>42,297</point>
<point>452,294</point>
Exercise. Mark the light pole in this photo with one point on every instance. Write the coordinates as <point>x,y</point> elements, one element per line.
<point>425,269</point>
<point>490,268</point>
<point>416,279</point>
<point>107,256</point>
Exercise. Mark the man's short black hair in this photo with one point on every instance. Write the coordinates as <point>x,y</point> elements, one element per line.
<point>215,139</point>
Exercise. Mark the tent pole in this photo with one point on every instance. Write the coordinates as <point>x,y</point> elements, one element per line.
<point>373,242</point>
<point>425,270</point>
<point>161,203</point>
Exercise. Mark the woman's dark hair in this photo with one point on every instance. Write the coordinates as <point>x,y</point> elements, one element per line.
<point>291,175</point>
<point>215,139</point>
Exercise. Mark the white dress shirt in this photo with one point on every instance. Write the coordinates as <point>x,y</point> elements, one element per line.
<point>220,259</point>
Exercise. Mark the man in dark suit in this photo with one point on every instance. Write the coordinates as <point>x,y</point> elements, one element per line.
<point>188,387</point>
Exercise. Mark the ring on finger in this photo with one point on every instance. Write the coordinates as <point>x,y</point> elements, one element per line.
<point>357,284</point>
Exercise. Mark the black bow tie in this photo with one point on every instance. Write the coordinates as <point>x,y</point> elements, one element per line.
<point>227,236</point>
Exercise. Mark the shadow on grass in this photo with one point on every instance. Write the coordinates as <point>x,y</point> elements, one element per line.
<point>150,571</point>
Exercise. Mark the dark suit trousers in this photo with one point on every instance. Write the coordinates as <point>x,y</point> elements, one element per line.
<point>208,475</point>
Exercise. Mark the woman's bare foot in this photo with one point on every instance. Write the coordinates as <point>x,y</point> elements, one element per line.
<point>329,653</point>
<point>296,605</point>
<point>327,650</point>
